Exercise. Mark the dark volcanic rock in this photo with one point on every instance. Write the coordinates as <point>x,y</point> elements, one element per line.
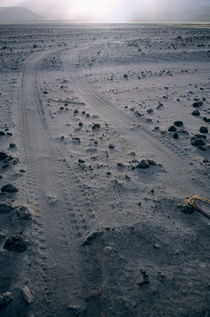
<point>143,164</point>
<point>196,113</point>
<point>198,140</point>
<point>9,188</point>
<point>96,126</point>
<point>172,129</point>
<point>178,123</point>
<point>175,135</point>
<point>197,104</point>
<point>16,243</point>
<point>204,130</point>
<point>206,119</point>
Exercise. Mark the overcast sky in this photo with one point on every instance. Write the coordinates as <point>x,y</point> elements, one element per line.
<point>117,10</point>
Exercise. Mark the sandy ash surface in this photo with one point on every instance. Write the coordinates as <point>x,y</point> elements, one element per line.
<point>104,131</point>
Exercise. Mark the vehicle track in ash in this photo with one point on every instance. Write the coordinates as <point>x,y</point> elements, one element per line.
<point>174,159</point>
<point>62,206</point>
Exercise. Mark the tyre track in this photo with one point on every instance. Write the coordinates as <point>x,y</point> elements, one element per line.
<point>175,160</point>
<point>59,224</point>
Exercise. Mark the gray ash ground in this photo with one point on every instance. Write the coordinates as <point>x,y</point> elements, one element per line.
<point>104,131</point>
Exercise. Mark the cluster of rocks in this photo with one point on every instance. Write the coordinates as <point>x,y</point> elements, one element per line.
<point>199,141</point>
<point>174,129</point>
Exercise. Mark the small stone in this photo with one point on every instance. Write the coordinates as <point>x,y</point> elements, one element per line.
<point>197,104</point>
<point>196,113</point>
<point>75,311</point>
<point>76,111</point>
<point>2,133</point>
<point>172,129</point>
<point>204,130</point>
<point>5,299</point>
<point>178,123</point>
<point>9,188</point>
<point>175,135</point>
<point>27,295</point>
<point>125,76</point>
<point>197,142</point>
<point>152,162</point>
<point>96,126</point>
<point>120,165</point>
<point>144,279</point>
<point>15,243</point>
<point>76,140</point>
<point>12,145</point>
<point>157,246</point>
<point>143,164</point>
<point>111,146</point>
<point>206,119</point>
<point>80,161</point>
<point>150,110</point>
<point>80,124</point>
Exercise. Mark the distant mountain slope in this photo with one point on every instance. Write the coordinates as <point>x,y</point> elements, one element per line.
<point>17,14</point>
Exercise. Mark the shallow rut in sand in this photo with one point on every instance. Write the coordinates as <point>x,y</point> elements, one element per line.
<point>175,160</point>
<point>61,219</point>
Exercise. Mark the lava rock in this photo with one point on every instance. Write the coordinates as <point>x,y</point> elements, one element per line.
<point>9,188</point>
<point>197,104</point>
<point>172,129</point>
<point>206,119</point>
<point>16,243</point>
<point>178,123</point>
<point>196,113</point>
<point>198,140</point>
<point>204,130</point>
<point>143,164</point>
<point>96,126</point>
<point>175,135</point>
